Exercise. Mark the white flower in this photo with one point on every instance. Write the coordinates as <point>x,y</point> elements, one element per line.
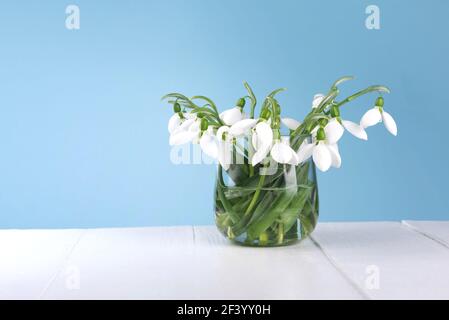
<point>177,119</point>
<point>324,155</point>
<point>290,123</point>
<point>324,152</point>
<point>262,140</point>
<point>224,147</point>
<point>281,152</point>
<point>334,130</point>
<point>186,132</point>
<point>376,115</point>
<point>208,143</point>
<point>317,99</point>
<point>231,116</point>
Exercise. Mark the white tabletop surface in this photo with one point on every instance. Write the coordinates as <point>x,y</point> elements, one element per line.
<point>369,260</point>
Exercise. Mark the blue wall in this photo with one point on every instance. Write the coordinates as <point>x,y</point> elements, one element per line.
<point>83,135</point>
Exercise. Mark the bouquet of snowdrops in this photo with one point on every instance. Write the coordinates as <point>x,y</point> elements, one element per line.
<point>266,190</point>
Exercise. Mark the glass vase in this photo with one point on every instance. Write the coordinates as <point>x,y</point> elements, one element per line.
<point>269,205</point>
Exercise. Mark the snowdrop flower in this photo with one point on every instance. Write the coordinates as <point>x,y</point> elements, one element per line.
<point>231,116</point>
<point>317,99</point>
<point>262,140</point>
<point>353,128</point>
<point>281,152</point>
<point>323,153</point>
<point>290,123</point>
<point>186,132</point>
<point>378,114</point>
<point>208,143</point>
<point>178,118</point>
<point>333,131</point>
<point>224,144</point>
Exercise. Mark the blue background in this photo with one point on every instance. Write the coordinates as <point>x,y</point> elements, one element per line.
<point>83,133</point>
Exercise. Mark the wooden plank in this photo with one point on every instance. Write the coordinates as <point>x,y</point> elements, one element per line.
<point>228,271</point>
<point>177,263</point>
<point>30,258</point>
<point>387,260</point>
<point>436,230</point>
<point>132,263</point>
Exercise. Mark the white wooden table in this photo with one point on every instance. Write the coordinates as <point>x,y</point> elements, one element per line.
<point>375,260</point>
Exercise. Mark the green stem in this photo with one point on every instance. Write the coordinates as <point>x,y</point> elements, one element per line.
<point>256,195</point>
<point>362,92</point>
<point>280,233</point>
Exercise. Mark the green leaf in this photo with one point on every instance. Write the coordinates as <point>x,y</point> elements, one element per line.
<point>275,92</point>
<point>280,203</point>
<point>341,80</point>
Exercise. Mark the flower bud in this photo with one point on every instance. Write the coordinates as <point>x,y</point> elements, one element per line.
<point>176,107</point>
<point>320,134</point>
<point>379,102</point>
<point>240,103</point>
<point>204,124</point>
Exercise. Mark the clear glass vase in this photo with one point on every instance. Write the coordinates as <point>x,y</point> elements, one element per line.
<point>271,205</point>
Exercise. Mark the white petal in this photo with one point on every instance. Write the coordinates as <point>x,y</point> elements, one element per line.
<point>355,129</point>
<point>281,153</point>
<point>181,137</point>
<point>254,141</point>
<point>389,123</point>
<point>231,116</point>
<point>371,118</point>
<point>241,127</point>
<point>264,135</point>
<point>195,126</point>
<point>174,122</point>
<point>335,155</point>
<point>317,99</point>
<point>259,155</point>
<point>224,154</point>
<point>290,123</point>
<point>322,157</point>
<point>334,130</point>
<point>208,144</point>
<point>184,126</point>
<point>305,151</point>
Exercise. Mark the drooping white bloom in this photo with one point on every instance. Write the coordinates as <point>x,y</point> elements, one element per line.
<point>231,116</point>
<point>290,123</point>
<point>186,132</point>
<point>317,99</point>
<point>262,140</point>
<point>209,144</point>
<point>334,130</point>
<point>224,147</point>
<point>376,115</point>
<point>281,152</point>
<point>177,119</point>
<point>324,154</point>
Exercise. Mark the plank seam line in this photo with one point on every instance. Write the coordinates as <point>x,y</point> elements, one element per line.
<point>63,265</point>
<point>193,235</point>
<point>334,263</point>
<point>424,233</point>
